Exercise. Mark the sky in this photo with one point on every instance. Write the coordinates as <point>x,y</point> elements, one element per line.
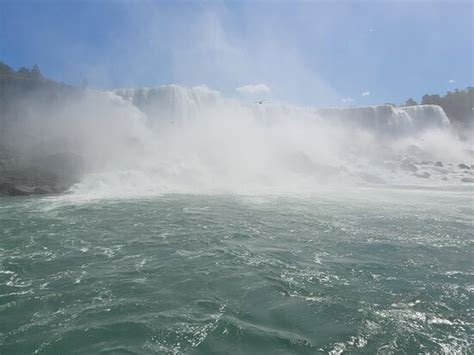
<point>313,53</point>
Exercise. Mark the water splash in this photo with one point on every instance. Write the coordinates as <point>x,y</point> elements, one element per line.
<point>194,140</point>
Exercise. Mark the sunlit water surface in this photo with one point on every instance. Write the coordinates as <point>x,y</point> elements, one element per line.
<point>387,270</point>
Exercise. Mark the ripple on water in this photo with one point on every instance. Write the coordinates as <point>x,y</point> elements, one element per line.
<point>197,274</point>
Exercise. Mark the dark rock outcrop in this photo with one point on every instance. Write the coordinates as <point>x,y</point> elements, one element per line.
<point>10,189</point>
<point>52,174</point>
<point>43,190</point>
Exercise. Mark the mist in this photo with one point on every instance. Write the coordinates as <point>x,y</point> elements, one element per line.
<point>174,139</point>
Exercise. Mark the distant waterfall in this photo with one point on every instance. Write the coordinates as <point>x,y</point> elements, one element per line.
<point>180,104</point>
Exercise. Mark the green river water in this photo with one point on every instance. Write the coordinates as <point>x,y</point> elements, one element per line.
<point>374,270</point>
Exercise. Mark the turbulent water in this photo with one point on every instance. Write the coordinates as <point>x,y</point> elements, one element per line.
<point>208,225</point>
<point>365,270</point>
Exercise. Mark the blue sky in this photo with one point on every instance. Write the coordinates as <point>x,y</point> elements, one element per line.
<point>320,53</point>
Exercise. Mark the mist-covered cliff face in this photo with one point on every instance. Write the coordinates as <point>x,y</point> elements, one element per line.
<point>194,140</point>
<point>32,160</point>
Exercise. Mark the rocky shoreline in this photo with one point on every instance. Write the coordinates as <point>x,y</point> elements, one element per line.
<point>49,175</point>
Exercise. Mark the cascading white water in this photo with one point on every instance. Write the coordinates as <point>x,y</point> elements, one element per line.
<point>193,140</point>
<point>177,103</point>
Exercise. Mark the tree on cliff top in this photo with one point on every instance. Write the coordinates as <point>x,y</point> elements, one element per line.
<point>411,102</point>
<point>35,72</point>
<point>6,72</point>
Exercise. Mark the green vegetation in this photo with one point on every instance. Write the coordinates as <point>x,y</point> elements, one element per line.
<point>7,73</point>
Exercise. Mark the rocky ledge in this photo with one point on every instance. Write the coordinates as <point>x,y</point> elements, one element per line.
<point>52,174</point>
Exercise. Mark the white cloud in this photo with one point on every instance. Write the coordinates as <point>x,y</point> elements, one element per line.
<point>347,100</point>
<point>256,89</point>
<point>366,93</point>
<point>451,81</point>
